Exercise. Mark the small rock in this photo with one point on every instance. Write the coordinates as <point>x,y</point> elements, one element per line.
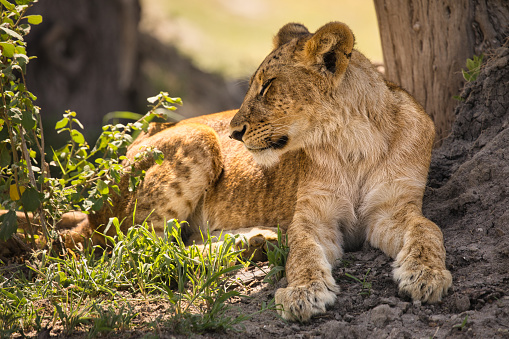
<point>403,305</point>
<point>417,303</point>
<point>348,317</point>
<point>408,320</point>
<point>295,327</point>
<point>389,301</point>
<point>331,329</point>
<point>381,315</point>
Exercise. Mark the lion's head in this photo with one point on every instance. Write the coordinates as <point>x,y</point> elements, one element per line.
<point>293,91</point>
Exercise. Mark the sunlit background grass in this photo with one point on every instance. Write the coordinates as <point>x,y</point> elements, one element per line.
<point>232,37</point>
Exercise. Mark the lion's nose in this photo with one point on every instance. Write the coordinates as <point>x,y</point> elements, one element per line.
<point>237,135</point>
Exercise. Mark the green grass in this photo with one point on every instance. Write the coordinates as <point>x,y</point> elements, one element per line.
<point>85,292</point>
<point>461,325</point>
<point>365,284</point>
<point>277,255</point>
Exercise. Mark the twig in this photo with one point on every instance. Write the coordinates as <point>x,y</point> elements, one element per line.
<point>31,176</point>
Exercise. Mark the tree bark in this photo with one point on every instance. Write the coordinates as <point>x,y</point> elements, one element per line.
<point>426,44</point>
<point>86,58</point>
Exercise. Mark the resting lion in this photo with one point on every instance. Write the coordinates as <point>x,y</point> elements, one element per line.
<point>322,146</point>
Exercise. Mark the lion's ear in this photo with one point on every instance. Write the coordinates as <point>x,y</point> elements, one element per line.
<point>331,46</point>
<point>289,32</point>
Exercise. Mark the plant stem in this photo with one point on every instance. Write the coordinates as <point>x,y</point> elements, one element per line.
<point>31,176</point>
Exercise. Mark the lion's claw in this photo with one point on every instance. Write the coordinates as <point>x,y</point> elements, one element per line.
<point>302,302</point>
<point>423,283</point>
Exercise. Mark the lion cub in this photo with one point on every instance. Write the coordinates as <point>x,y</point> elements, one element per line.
<point>360,148</point>
<point>322,146</point>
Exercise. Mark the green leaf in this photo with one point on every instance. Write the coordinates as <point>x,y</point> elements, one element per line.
<point>8,225</point>
<point>30,199</point>
<point>33,97</point>
<point>168,105</point>
<point>97,205</point>
<point>62,123</point>
<point>8,49</point>
<point>177,101</point>
<point>158,156</point>
<point>5,156</point>
<point>77,137</point>
<point>76,121</point>
<point>133,183</point>
<point>116,189</point>
<point>115,175</point>
<point>10,31</point>
<point>470,64</point>
<point>9,6</point>
<point>28,121</point>
<point>102,187</point>
<point>22,59</point>
<point>34,19</point>
<point>20,50</point>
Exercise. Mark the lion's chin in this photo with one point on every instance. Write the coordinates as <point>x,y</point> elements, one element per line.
<point>267,157</point>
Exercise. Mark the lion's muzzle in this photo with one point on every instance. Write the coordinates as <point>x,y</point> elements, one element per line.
<point>238,132</point>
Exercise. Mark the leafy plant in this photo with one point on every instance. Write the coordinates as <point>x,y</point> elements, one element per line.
<point>473,68</point>
<point>20,122</point>
<point>472,71</point>
<point>277,255</point>
<point>88,175</point>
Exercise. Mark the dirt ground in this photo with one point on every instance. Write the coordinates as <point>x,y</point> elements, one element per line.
<point>467,196</point>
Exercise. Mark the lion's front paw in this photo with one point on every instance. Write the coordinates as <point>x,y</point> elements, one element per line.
<point>302,302</point>
<point>423,283</point>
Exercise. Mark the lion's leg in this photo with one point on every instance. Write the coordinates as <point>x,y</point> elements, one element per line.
<point>192,162</point>
<point>70,220</point>
<point>417,246</point>
<point>315,243</point>
<point>171,190</point>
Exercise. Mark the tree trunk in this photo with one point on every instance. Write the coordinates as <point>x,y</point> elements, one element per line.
<point>86,58</point>
<point>426,44</point>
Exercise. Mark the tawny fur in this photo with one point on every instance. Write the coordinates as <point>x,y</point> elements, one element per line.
<point>341,155</point>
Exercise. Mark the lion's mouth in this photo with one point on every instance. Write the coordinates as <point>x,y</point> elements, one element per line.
<point>280,143</point>
<point>271,144</point>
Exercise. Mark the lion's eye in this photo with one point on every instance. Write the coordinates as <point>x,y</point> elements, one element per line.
<point>266,86</point>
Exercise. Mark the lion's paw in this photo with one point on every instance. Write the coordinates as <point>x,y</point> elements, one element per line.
<point>302,302</point>
<point>423,283</point>
<point>255,244</point>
